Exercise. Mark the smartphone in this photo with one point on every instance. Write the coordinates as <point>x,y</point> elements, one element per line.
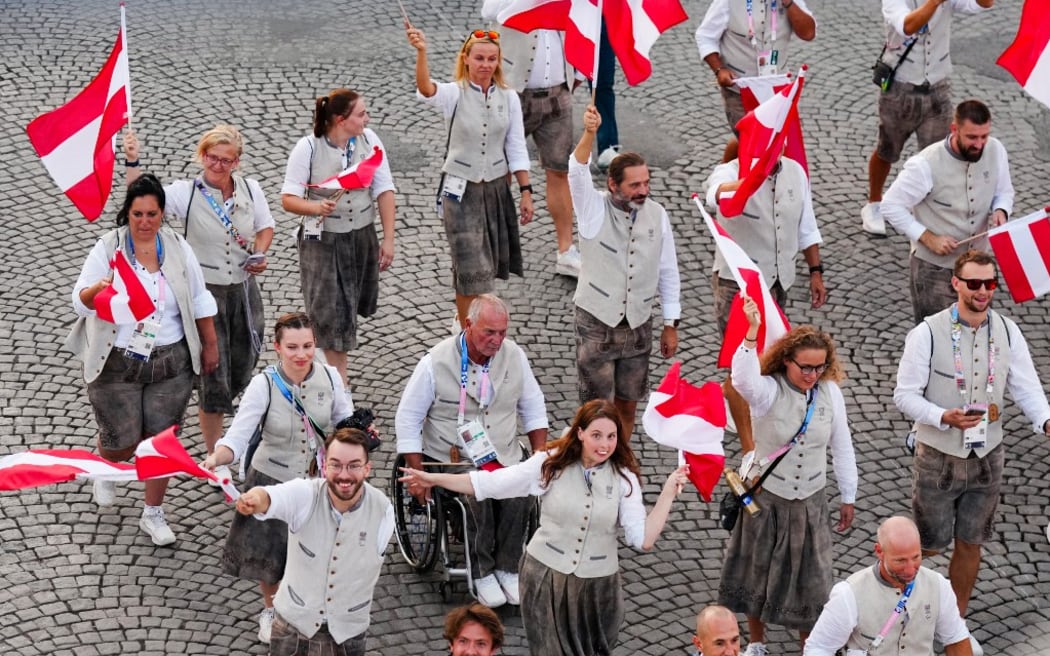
<point>975,410</point>
<point>253,259</point>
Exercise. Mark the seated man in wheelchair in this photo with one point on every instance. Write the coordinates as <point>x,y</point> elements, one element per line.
<point>463,403</point>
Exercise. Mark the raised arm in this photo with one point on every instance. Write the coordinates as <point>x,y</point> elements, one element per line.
<point>418,40</point>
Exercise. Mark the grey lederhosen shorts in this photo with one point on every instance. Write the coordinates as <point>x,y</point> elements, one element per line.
<point>955,497</point>
<point>908,109</point>
<point>547,115</point>
<point>135,399</point>
<point>931,288</point>
<point>612,362</point>
<point>285,640</point>
<point>734,106</point>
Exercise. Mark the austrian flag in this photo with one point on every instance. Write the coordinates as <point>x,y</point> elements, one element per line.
<point>1028,57</point>
<point>358,176</point>
<point>125,300</point>
<point>1022,247</point>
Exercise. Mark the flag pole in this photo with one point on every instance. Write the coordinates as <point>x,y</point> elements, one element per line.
<point>124,47</point>
<point>597,52</point>
<point>714,233</point>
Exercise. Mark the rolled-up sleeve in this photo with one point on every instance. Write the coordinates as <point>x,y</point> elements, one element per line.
<point>712,27</point>
<point>96,267</point>
<point>383,180</point>
<point>632,510</point>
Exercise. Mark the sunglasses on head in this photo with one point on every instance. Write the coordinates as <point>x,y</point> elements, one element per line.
<point>973,284</point>
<point>485,34</point>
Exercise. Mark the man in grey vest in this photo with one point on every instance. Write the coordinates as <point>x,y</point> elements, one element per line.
<point>748,38</point>
<point>534,65</point>
<point>477,382</point>
<point>944,197</point>
<point>338,530</point>
<point>628,259</point>
<point>956,367</point>
<point>895,606</point>
<point>918,98</point>
<point>717,632</point>
<point>777,222</point>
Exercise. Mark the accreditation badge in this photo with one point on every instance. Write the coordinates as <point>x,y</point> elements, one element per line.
<point>142,340</point>
<point>477,443</point>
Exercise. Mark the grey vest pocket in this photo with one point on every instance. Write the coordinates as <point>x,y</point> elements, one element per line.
<point>553,548</point>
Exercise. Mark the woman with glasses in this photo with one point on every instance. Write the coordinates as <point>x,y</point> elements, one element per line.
<point>486,141</point>
<point>777,566</point>
<point>283,416</point>
<point>226,219</point>
<point>588,482</point>
<point>340,255</point>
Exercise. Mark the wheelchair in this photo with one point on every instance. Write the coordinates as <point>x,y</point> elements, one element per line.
<point>434,538</point>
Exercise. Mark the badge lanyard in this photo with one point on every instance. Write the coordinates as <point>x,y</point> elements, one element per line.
<point>892,619</point>
<point>801,432</point>
<point>751,23</point>
<point>159,312</point>
<point>312,429</point>
<point>222,214</point>
<point>482,384</point>
<point>960,377</point>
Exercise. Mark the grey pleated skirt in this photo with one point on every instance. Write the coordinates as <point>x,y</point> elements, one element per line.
<point>482,232</point>
<point>565,615</point>
<point>778,564</point>
<point>256,550</point>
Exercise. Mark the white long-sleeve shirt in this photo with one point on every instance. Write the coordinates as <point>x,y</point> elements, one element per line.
<point>716,22</point>
<point>298,172</point>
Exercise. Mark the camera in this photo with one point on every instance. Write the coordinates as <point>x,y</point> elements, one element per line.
<point>362,419</point>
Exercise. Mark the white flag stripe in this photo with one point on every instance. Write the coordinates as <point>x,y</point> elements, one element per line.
<point>1031,260</point>
<point>67,163</point>
<point>1038,84</point>
<point>643,27</point>
<point>587,19</point>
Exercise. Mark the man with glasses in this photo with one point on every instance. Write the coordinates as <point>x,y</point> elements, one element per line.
<point>946,198</point>
<point>896,602</point>
<point>462,404</point>
<point>338,529</point>
<point>957,365</point>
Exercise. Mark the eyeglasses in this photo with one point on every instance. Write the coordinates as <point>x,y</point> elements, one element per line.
<point>808,370</point>
<point>351,468</point>
<point>212,159</point>
<point>973,284</point>
<point>485,34</point>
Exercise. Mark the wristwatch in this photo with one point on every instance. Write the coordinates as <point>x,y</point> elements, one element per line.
<point>817,268</point>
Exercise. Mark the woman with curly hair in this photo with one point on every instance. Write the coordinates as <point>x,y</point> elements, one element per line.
<point>777,567</point>
<point>588,484</point>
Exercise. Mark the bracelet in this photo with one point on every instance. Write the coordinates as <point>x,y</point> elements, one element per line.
<point>524,188</point>
<point>817,268</point>
<point>131,164</point>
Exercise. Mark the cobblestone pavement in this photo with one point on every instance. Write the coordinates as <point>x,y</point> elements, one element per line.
<point>81,580</point>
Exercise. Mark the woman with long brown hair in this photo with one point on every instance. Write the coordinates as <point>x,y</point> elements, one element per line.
<point>777,567</point>
<point>588,482</point>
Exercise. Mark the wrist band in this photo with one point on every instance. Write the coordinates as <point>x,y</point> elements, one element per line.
<point>524,188</point>
<point>131,164</point>
<point>817,268</point>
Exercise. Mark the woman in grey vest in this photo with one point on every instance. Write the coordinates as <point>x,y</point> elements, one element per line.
<point>486,141</point>
<point>777,566</point>
<point>228,223</point>
<point>283,416</point>
<point>139,369</point>
<point>588,485</point>
<point>340,255</point>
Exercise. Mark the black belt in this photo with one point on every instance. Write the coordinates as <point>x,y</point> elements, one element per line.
<point>543,93</point>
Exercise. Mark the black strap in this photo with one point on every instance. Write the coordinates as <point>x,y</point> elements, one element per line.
<point>448,142</point>
<point>904,56</point>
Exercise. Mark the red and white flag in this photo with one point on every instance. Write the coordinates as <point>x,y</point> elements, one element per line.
<point>632,25</point>
<point>163,455</point>
<point>1028,57</point>
<point>125,300</point>
<point>691,419</point>
<point>75,141</point>
<point>38,467</point>
<point>756,90</point>
<point>1022,247</point>
<point>751,282</point>
<point>763,132</point>
<point>357,176</point>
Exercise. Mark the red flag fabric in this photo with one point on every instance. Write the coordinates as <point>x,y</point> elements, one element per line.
<point>633,27</point>
<point>691,419</point>
<point>763,133</point>
<point>74,142</point>
<point>750,280</point>
<point>125,300</point>
<point>358,176</point>
<point>1022,247</point>
<point>756,90</point>
<point>1028,57</point>
<point>34,468</point>
<point>163,455</point>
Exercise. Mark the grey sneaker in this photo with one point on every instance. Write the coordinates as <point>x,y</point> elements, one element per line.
<point>756,649</point>
<point>153,522</point>
<point>104,492</point>
<point>265,625</point>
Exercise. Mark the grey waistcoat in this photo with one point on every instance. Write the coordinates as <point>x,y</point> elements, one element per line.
<point>621,266</point>
<point>220,256</point>
<point>578,525</point>
<point>519,53</point>
<point>876,601</point>
<point>284,452</point>
<point>930,59</point>
<point>333,567</point>
<point>944,391</point>
<point>354,209</point>
<point>735,47</point>
<point>479,130</point>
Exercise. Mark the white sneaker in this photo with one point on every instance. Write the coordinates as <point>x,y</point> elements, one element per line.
<point>508,582</point>
<point>489,591</point>
<point>105,492</point>
<point>223,473</point>
<point>756,649</point>
<point>265,625</point>
<point>871,220</point>
<point>978,650</point>
<point>569,263</point>
<point>606,157</point>
<point>153,523</point>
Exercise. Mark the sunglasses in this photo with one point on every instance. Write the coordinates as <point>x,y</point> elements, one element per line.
<point>485,34</point>
<point>973,284</point>
<point>808,370</point>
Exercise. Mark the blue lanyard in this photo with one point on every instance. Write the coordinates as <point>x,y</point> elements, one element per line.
<point>482,383</point>
<point>892,619</point>
<point>222,214</point>
<point>312,429</point>
<point>160,248</point>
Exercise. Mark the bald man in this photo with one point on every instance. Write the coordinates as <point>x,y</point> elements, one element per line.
<point>717,632</point>
<point>896,590</point>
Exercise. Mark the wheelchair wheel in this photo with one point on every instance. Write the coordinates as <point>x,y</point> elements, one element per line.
<point>418,526</point>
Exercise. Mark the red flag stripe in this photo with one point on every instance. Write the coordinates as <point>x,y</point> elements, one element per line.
<point>1003,247</point>
<point>1032,40</point>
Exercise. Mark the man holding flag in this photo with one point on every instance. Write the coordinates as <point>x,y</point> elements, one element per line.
<point>945,199</point>
<point>959,423</point>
